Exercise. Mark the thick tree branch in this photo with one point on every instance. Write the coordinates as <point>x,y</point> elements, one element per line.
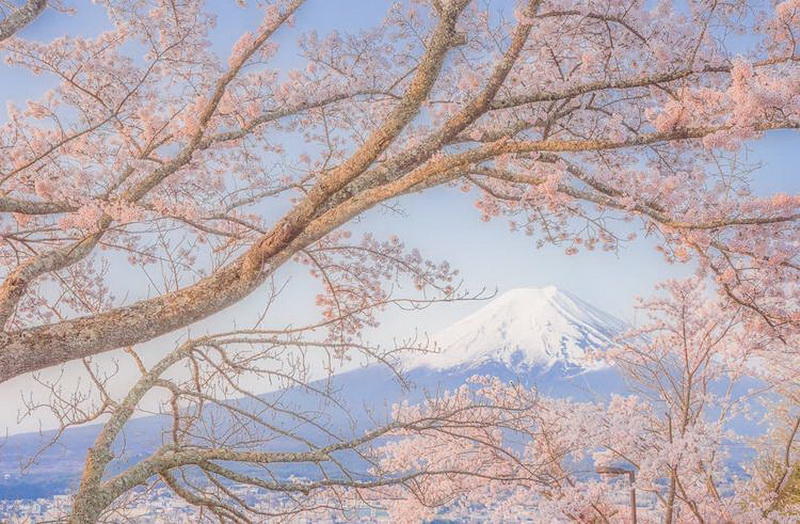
<point>20,17</point>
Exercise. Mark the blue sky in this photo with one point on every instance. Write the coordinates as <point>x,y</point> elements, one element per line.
<point>442,223</point>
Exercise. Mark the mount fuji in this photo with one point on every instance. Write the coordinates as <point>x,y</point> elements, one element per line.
<point>534,336</point>
<point>542,337</point>
<point>523,328</point>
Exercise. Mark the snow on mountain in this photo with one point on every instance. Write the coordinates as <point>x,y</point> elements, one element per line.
<point>524,327</point>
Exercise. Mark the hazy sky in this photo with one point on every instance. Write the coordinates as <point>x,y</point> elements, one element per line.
<point>443,224</point>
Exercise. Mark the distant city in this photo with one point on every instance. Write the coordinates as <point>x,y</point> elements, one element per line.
<point>160,506</point>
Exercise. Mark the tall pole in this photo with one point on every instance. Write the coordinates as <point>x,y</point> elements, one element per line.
<point>631,481</point>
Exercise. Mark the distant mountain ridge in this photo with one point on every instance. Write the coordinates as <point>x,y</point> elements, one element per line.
<point>533,336</point>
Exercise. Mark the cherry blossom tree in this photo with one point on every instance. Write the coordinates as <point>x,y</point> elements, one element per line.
<point>774,487</point>
<point>151,154</point>
<point>488,446</point>
<point>674,437</point>
<point>564,117</point>
<point>685,366</point>
<point>215,447</point>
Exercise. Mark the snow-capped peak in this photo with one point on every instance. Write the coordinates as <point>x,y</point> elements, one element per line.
<point>525,326</point>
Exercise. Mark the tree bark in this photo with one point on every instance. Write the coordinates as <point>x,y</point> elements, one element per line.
<point>20,18</point>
